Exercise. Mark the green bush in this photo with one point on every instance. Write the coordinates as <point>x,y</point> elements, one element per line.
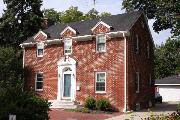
<point>90,103</point>
<point>102,104</point>
<point>25,105</point>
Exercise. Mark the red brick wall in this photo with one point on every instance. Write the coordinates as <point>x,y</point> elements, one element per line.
<point>88,62</point>
<point>139,63</point>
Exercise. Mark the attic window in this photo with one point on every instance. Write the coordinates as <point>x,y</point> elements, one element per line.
<point>67,46</point>
<point>40,49</point>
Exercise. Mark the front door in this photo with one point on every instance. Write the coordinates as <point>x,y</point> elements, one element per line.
<point>67,86</point>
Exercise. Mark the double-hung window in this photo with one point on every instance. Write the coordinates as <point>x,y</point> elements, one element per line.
<point>101,43</point>
<point>100,82</point>
<point>137,82</point>
<point>39,82</point>
<point>40,49</point>
<point>150,80</point>
<point>136,45</point>
<point>67,46</point>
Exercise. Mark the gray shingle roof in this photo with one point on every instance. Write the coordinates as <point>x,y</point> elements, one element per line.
<point>120,22</point>
<point>175,79</point>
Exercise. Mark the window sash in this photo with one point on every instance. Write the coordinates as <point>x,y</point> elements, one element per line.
<point>137,82</point>
<point>40,49</point>
<point>101,43</point>
<point>137,45</point>
<point>39,82</point>
<point>67,46</point>
<point>101,82</point>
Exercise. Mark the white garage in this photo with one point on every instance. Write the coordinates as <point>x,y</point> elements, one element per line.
<point>169,88</point>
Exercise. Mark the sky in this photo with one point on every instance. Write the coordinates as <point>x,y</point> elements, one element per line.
<point>112,6</point>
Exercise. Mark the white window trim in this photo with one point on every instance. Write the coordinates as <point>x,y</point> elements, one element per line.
<point>100,22</point>
<point>137,44</point>
<point>38,49</point>
<point>38,90</point>
<point>97,43</point>
<point>137,74</point>
<point>100,92</point>
<point>68,39</point>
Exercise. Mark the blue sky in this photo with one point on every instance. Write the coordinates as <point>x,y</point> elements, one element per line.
<point>112,6</point>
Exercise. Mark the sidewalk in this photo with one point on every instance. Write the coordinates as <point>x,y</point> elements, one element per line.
<point>164,108</point>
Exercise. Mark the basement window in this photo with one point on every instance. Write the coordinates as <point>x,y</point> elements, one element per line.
<point>138,107</point>
<point>101,43</point>
<point>40,49</point>
<point>100,82</point>
<point>39,82</point>
<point>67,46</point>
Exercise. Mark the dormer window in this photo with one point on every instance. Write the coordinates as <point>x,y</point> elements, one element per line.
<point>40,49</point>
<point>67,46</point>
<point>101,43</point>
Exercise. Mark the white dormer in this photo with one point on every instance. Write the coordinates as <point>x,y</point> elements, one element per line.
<point>68,28</point>
<point>101,23</point>
<point>40,36</point>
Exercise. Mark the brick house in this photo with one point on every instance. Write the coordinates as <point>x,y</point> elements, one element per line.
<point>110,57</point>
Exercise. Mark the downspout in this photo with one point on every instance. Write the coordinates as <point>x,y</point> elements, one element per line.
<point>125,82</point>
<point>23,56</point>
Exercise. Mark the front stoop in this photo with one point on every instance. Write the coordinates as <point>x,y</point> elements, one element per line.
<point>62,104</point>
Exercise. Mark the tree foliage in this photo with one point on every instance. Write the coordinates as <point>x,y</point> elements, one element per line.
<point>52,15</point>
<point>167,58</point>
<point>21,19</point>
<point>72,15</point>
<point>165,12</point>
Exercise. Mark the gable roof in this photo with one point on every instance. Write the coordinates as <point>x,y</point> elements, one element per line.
<point>171,80</point>
<point>120,22</point>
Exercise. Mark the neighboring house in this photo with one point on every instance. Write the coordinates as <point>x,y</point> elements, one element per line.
<point>169,88</point>
<point>110,57</point>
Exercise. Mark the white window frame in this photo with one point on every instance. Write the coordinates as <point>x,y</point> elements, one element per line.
<point>96,82</point>
<point>137,44</point>
<point>38,81</point>
<point>97,43</point>
<point>40,46</point>
<point>137,75</point>
<point>67,39</point>
<point>148,50</point>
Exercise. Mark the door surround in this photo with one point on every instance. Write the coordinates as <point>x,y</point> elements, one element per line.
<point>63,64</point>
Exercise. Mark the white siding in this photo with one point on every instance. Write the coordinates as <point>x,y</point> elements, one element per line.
<point>170,93</point>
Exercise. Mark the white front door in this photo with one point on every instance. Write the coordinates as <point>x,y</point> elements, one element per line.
<point>67,78</point>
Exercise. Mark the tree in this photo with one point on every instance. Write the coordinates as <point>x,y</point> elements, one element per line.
<point>105,14</point>
<point>167,58</point>
<point>52,15</point>
<point>165,12</point>
<point>71,15</point>
<point>93,13</point>
<point>20,20</point>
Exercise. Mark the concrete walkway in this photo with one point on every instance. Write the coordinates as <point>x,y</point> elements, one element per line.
<point>164,108</point>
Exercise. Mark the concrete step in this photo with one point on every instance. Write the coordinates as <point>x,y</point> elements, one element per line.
<point>62,104</point>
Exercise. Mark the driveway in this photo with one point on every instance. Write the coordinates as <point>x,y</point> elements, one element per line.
<point>164,108</point>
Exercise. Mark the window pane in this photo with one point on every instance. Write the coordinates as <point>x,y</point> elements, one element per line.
<point>101,39</point>
<point>39,85</point>
<point>39,75</point>
<point>101,47</point>
<point>100,86</point>
<point>40,51</point>
<point>68,46</point>
<point>101,77</point>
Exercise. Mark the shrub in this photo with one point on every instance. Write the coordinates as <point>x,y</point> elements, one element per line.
<point>90,103</point>
<point>102,104</point>
<point>23,104</point>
